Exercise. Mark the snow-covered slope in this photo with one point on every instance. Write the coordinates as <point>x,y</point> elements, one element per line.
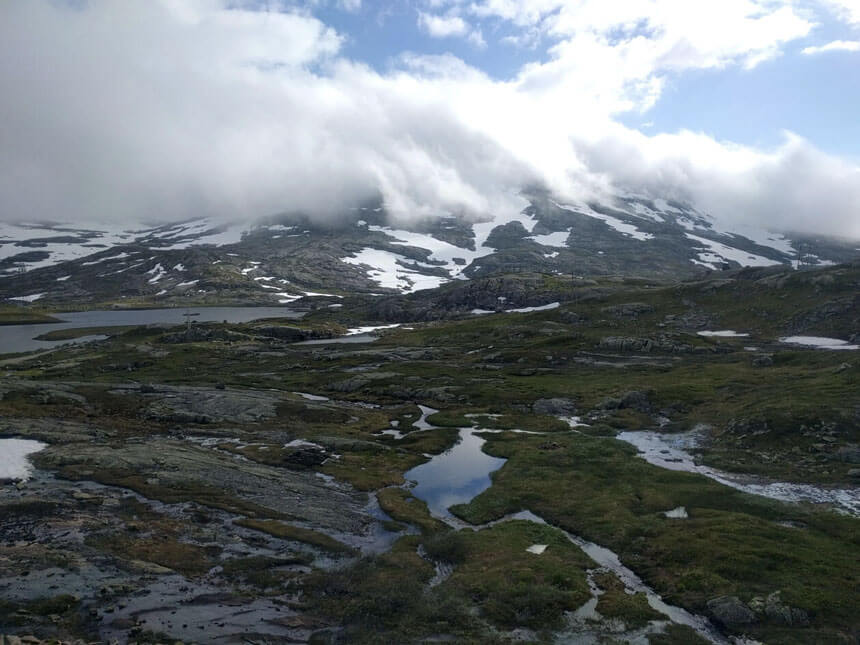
<point>289,257</point>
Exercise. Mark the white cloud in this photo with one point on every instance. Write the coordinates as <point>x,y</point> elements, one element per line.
<point>834,46</point>
<point>848,10</point>
<point>794,187</point>
<point>443,26</point>
<point>171,108</point>
<point>450,25</point>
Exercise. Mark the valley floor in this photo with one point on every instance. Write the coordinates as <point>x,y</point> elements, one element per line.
<point>467,480</point>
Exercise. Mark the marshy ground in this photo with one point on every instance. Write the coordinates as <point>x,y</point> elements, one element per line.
<point>233,485</point>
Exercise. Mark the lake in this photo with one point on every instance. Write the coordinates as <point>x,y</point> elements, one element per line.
<point>21,338</point>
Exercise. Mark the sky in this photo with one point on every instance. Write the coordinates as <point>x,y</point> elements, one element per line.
<point>164,110</point>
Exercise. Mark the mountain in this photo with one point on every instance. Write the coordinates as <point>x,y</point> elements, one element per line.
<point>284,258</point>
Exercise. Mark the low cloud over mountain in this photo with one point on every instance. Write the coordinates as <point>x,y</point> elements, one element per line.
<point>164,110</point>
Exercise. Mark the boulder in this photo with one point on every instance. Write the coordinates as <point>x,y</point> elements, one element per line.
<point>556,407</point>
<point>636,400</point>
<point>763,360</point>
<point>731,611</point>
<point>776,610</point>
<point>849,454</point>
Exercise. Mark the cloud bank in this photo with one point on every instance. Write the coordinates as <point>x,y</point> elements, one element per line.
<point>170,109</point>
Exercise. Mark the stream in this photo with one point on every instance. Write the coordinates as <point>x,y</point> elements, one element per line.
<point>671,451</point>
<point>461,473</point>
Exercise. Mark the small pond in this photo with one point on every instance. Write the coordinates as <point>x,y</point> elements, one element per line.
<point>456,476</point>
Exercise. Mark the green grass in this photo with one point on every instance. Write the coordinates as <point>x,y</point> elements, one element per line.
<point>403,507</point>
<point>286,531</point>
<point>71,334</point>
<point>24,317</point>
<point>731,545</point>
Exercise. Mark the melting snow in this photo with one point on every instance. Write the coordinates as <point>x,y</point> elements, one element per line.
<point>622,227</point>
<point>301,443</point>
<point>818,342</point>
<point>388,273</point>
<point>718,252</point>
<point>100,260</point>
<point>557,239</point>
<point>679,513</point>
<point>312,397</point>
<point>386,269</point>
<point>725,333</point>
<point>158,272</point>
<point>312,294</point>
<point>31,298</point>
<point>13,457</point>
<point>286,298</point>
<point>366,330</point>
<point>525,310</point>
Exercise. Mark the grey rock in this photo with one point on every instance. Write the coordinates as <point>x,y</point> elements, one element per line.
<point>633,400</point>
<point>776,610</point>
<point>763,360</point>
<point>203,405</point>
<point>555,407</point>
<point>849,454</point>
<point>628,310</point>
<point>731,611</point>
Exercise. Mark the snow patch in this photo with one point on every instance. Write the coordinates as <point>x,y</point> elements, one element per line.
<point>31,298</point>
<point>13,458</point>
<point>622,227</point>
<point>387,269</point>
<point>679,513</point>
<point>557,239</point>
<point>724,333</point>
<point>819,342</point>
<point>717,253</point>
<point>526,310</point>
<point>366,330</point>
<point>119,256</point>
<point>157,272</point>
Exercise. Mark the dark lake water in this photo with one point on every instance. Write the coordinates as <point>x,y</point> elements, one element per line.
<point>20,338</point>
<point>456,476</point>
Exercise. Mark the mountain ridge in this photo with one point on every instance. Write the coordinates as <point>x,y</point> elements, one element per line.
<point>280,259</point>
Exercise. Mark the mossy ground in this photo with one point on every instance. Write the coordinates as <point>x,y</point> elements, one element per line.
<point>784,419</point>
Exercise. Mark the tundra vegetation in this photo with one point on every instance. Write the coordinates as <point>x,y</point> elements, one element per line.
<point>233,470</point>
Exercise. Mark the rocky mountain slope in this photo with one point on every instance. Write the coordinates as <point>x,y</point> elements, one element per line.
<point>284,258</point>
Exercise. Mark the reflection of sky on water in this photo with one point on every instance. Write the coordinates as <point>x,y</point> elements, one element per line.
<point>21,338</point>
<point>455,476</point>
